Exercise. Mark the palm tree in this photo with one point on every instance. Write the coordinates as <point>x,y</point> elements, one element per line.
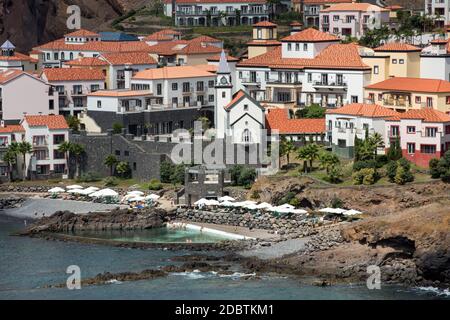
<point>286,148</point>
<point>302,154</point>
<point>328,160</point>
<point>376,140</point>
<point>312,151</point>
<point>77,151</point>
<point>24,148</point>
<point>10,158</point>
<point>110,161</point>
<point>65,147</point>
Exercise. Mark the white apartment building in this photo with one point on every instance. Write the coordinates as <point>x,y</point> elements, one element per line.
<point>178,87</point>
<point>11,59</point>
<point>435,60</point>
<point>217,13</point>
<point>354,120</point>
<point>22,93</point>
<point>312,8</point>
<point>439,10</point>
<point>309,67</point>
<point>352,19</point>
<point>73,85</point>
<point>45,133</point>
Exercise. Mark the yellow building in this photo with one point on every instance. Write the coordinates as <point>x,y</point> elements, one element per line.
<point>403,94</point>
<point>264,38</point>
<point>393,60</point>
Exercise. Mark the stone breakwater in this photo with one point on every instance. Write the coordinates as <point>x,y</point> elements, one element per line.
<point>11,202</point>
<point>293,227</point>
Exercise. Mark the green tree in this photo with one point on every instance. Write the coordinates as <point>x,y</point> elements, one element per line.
<point>123,169</point>
<point>328,160</point>
<point>10,158</point>
<point>335,174</point>
<point>117,128</point>
<point>235,173</point>
<point>286,148</point>
<point>167,169</point>
<point>65,148</point>
<point>375,37</point>
<point>206,123</point>
<point>178,174</point>
<point>73,122</point>
<point>441,169</point>
<point>77,151</point>
<point>314,111</point>
<point>302,154</point>
<point>395,150</point>
<point>376,141</point>
<point>312,152</point>
<point>24,148</point>
<point>110,161</point>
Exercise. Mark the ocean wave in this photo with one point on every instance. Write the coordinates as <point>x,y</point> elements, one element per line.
<point>113,281</point>
<point>196,274</point>
<point>237,275</point>
<point>437,291</point>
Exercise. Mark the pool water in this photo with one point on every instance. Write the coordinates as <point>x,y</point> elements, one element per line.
<point>157,235</point>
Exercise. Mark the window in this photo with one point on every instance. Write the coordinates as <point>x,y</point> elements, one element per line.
<point>58,138</point>
<point>117,152</point>
<point>309,77</point>
<point>126,153</point>
<point>342,143</point>
<point>394,61</point>
<point>335,18</point>
<point>134,166</point>
<point>394,131</point>
<point>42,169</point>
<point>372,97</point>
<point>211,98</point>
<point>59,168</point>
<point>186,87</point>
<point>376,70</point>
<point>335,30</point>
<point>246,136</point>
<point>211,83</point>
<point>349,19</point>
<point>411,129</point>
<point>305,47</point>
<point>240,74</point>
<point>354,99</point>
<point>201,99</point>
<point>297,47</point>
<point>245,107</point>
<point>430,132</point>
<point>200,86</point>
<point>380,96</point>
<point>51,104</point>
<point>58,154</point>
<point>259,33</point>
<point>447,100</point>
<point>99,103</point>
<point>429,102</point>
<point>223,94</point>
<point>447,129</point>
<point>289,47</point>
<point>266,75</point>
<point>428,148</point>
<point>418,99</point>
<point>174,86</point>
<point>95,87</point>
<point>411,147</point>
<point>159,89</point>
<point>186,100</point>
<point>401,61</point>
<point>55,56</point>
<point>41,154</point>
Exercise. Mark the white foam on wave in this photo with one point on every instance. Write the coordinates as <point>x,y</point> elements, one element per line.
<point>237,275</point>
<point>113,281</point>
<point>437,291</point>
<point>196,274</point>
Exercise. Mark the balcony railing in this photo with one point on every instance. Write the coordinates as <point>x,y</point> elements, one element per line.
<point>396,103</point>
<point>40,143</point>
<point>251,80</point>
<point>218,13</point>
<point>284,81</point>
<point>330,84</point>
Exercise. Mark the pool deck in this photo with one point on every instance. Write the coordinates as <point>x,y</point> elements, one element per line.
<point>243,231</point>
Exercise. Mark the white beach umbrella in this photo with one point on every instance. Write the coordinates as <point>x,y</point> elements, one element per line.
<point>104,193</point>
<point>226,198</point>
<point>75,191</point>
<point>300,211</point>
<point>332,210</point>
<point>56,190</point>
<point>286,206</point>
<point>213,203</point>
<point>202,201</point>
<point>352,212</point>
<point>74,186</point>
<point>136,198</point>
<point>136,193</point>
<point>152,197</point>
<point>251,207</point>
<point>93,188</point>
<point>247,202</point>
<point>226,204</point>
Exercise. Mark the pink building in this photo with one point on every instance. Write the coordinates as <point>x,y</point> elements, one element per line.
<point>352,19</point>
<point>424,134</point>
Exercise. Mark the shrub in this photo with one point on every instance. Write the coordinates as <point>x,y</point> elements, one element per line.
<point>287,198</point>
<point>399,171</point>
<point>336,203</point>
<point>364,164</point>
<point>335,175</point>
<point>155,185</point>
<point>391,170</point>
<point>381,160</point>
<point>110,182</point>
<point>117,128</point>
<point>247,177</point>
<point>123,169</point>
<point>255,194</point>
<point>89,177</point>
<point>294,202</point>
<point>434,168</point>
<point>366,176</point>
<point>166,171</point>
<point>177,176</point>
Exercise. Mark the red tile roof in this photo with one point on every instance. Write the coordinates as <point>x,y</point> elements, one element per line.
<point>178,72</point>
<point>311,35</point>
<point>163,35</point>
<point>236,97</point>
<point>323,1</point>
<point>6,75</point>
<point>266,24</point>
<point>296,24</point>
<point>18,57</point>
<point>335,56</point>
<point>53,122</point>
<point>198,45</point>
<point>427,115</point>
<point>364,110</point>
<point>120,93</point>
<point>133,58</point>
<point>11,129</point>
<point>87,62</point>
<point>397,46</point>
<point>257,42</point>
<point>412,85</point>
<point>96,46</point>
<point>278,119</point>
<point>216,1</point>
<point>73,74</point>
<point>82,33</point>
<point>217,58</point>
<point>365,7</point>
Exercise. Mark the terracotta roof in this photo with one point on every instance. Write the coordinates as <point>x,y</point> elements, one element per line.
<point>266,24</point>
<point>73,74</point>
<point>163,35</point>
<point>120,93</point>
<point>354,7</point>
<point>427,115</point>
<point>394,7</point>
<point>217,58</point>
<point>87,62</point>
<point>236,97</point>
<point>397,46</point>
<point>6,75</point>
<point>96,46</point>
<point>204,38</point>
<point>172,73</point>
<point>18,57</point>
<point>11,129</point>
<point>439,41</point>
<point>323,1</point>
<point>311,35</point>
<point>335,56</point>
<point>195,46</point>
<point>82,33</point>
<point>216,1</point>
<point>296,24</point>
<point>207,67</point>
<point>412,85</point>
<point>364,110</point>
<point>278,119</point>
<point>133,58</point>
<point>53,122</point>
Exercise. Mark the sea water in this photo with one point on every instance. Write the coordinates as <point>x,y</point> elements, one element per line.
<point>28,265</point>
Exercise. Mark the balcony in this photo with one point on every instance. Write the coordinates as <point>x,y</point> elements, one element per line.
<point>396,103</point>
<point>171,106</point>
<point>284,82</point>
<point>251,81</point>
<point>40,144</point>
<point>330,85</point>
